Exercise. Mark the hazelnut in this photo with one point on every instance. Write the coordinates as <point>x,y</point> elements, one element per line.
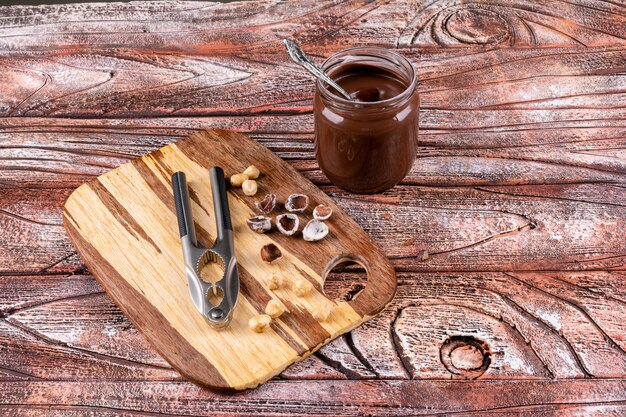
<point>270,253</point>
<point>259,224</point>
<point>314,230</point>
<point>237,180</point>
<point>302,287</point>
<point>252,172</point>
<point>322,212</point>
<point>321,312</point>
<point>249,187</point>
<point>287,224</point>
<point>260,323</point>
<point>274,308</point>
<point>267,204</point>
<point>275,281</point>
<point>297,203</point>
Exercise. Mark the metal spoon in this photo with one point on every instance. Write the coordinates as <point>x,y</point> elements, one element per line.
<point>300,58</point>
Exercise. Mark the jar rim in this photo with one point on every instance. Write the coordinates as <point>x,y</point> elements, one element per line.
<point>374,52</point>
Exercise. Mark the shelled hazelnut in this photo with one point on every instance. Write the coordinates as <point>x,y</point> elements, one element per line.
<point>302,287</point>
<point>260,323</point>
<point>237,180</point>
<point>321,312</point>
<point>275,281</point>
<point>249,187</point>
<point>252,172</point>
<point>274,308</point>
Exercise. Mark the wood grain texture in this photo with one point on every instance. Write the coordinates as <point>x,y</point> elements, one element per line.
<point>311,398</point>
<point>123,225</point>
<point>522,110</point>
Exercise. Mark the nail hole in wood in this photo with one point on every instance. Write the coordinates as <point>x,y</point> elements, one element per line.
<point>465,356</point>
<point>345,279</point>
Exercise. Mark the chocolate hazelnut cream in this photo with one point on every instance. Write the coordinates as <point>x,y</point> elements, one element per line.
<point>368,144</point>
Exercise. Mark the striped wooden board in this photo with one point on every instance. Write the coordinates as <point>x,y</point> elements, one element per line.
<point>123,225</point>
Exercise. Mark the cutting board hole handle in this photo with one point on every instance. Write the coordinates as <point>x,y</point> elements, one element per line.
<point>345,278</point>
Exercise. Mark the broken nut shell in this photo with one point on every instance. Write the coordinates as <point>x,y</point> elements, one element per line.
<point>322,212</point>
<point>274,308</point>
<point>259,224</point>
<point>268,203</point>
<point>260,323</point>
<point>314,230</point>
<point>297,203</point>
<point>287,224</point>
<point>270,252</point>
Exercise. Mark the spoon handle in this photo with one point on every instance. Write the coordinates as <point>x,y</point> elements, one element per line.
<point>300,58</point>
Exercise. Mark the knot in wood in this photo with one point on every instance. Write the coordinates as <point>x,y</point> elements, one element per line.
<point>477,26</point>
<point>465,356</point>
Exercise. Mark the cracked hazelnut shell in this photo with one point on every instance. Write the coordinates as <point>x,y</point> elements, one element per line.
<point>314,230</point>
<point>287,223</point>
<point>322,212</point>
<point>259,224</point>
<point>268,203</point>
<point>270,252</point>
<point>297,203</point>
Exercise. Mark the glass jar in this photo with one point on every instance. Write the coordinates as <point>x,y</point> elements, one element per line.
<point>369,144</point>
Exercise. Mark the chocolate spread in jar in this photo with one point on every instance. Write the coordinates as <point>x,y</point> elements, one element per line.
<point>367,145</point>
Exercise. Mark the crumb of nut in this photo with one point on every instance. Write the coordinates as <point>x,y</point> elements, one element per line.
<point>297,203</point>
<point>237,180</point>
<point>386,216</point>
<point>275,281</point>
<point>302,287</point>
<point>260,323</point>
<point>270,252</point>
<point>249,187</point>
<point>268,203</point>
<point>314,230</point>
<point>259,224</point>
<point>321,312</point>
<point>274,308</point>
<point>322,212</point>
<point>422,255</point>
<point>252,172</point>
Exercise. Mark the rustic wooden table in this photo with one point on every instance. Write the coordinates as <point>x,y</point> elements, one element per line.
<point>517,195</point>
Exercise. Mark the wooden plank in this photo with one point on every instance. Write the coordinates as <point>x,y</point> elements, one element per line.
<point>238,28</point>
<point>530,325</point>
<point>563,190</point>
<point>316,398</point>
<point>532,227</point>
<point>535,128</point>
<point>139,83</point>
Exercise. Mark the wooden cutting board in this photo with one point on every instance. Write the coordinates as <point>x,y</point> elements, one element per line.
<point>123,225</point>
